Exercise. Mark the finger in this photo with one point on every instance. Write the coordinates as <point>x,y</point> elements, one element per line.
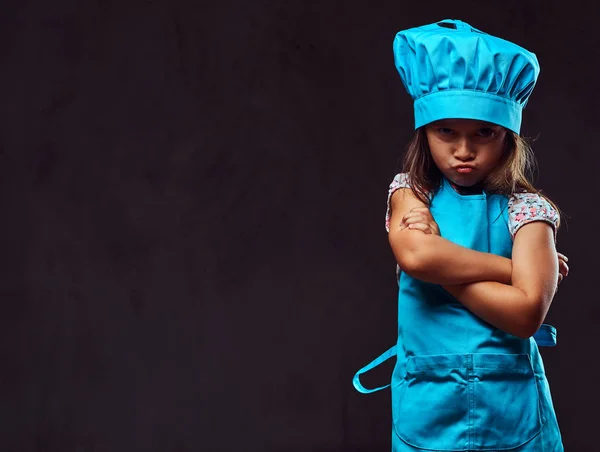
<point>563,265</point>
<point>413,221</point>
<point>562,256</point>
<point>421,210</point>
<point>412,214</point>
<point>421,227</point>
<point>560,278</point>
<point>413,218</point>
<point>417,215</point>
<point>563,269</point>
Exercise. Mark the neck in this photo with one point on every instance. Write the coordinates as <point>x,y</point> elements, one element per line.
<point>474,190</point>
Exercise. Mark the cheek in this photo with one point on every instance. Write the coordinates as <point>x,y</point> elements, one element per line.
<point>500,152</point>
<point>437,151</point>
<point>436,157</point>
<point>495,153</point>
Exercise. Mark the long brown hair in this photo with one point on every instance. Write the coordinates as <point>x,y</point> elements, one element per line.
<point>512,175</point>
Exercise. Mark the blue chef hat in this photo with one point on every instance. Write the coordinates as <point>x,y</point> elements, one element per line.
<point>453,70</point>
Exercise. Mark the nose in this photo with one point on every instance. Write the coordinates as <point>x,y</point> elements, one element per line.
<point>464,150</point>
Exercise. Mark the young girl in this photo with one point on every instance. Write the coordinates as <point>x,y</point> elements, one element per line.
<point>475,243</point>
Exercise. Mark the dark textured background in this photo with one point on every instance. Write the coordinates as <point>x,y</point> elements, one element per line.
<point>193,252</point>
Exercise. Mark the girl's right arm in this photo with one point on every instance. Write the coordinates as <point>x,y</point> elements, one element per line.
<point>434,259</point>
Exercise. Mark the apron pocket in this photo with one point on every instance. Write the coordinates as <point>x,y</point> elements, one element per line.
<point>431,405</point>
<point>467,402</point>
<point>506,402</point>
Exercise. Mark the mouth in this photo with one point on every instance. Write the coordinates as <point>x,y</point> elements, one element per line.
<point>464,168</point>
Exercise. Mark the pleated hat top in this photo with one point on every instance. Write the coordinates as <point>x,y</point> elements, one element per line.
<point>453,70</point>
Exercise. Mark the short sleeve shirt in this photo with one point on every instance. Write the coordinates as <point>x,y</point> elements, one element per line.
<point>523,207</point>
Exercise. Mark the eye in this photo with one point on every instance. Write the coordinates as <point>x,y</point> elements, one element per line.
<point>486,132</point>
<point>445,130</point>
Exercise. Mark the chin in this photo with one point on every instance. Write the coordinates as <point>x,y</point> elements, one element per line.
<point>467,181</point>
<point>465,184</point>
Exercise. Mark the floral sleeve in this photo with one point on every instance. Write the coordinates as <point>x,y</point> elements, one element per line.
<point>525,208</point>
<point>400,181</point>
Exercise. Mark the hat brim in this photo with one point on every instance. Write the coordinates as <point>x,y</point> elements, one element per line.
<point>468,104</point>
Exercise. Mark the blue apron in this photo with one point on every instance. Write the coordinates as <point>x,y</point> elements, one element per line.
<point>459,383</point>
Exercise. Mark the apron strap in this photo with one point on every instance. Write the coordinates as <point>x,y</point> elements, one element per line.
<point>545,336</point>
<point>376,362</point>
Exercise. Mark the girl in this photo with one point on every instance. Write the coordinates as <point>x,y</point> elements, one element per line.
<point>475,243</point>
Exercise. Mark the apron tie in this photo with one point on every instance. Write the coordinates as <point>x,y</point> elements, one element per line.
<point>376,362</point>
<point>545,336</point>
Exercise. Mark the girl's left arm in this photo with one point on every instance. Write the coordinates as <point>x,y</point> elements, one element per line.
<point>520,308</point>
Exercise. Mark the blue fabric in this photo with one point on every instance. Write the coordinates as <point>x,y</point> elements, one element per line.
<point>376,362</point>
<point>459,383</point>
<point>546,336</point>
<point>461,72</point>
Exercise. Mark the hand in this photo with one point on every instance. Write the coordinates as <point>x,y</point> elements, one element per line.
<point>420,218</point>
<point>563,268</point>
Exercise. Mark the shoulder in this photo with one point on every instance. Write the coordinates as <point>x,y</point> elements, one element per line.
<point>525,207</point>
<point>400,180</point>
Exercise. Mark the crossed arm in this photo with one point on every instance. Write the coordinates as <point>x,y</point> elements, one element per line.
<point>513,295</point>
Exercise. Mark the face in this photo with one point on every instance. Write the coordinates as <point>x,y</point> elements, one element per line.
<point>465,150</point>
